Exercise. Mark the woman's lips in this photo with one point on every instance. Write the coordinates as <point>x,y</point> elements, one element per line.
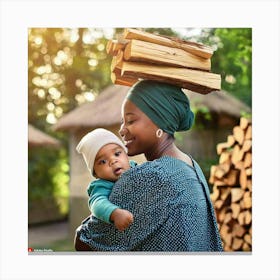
<point>128,142</point>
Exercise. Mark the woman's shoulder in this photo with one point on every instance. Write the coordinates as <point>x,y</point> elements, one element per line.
<point>161,166</point>
<point>148,167</point>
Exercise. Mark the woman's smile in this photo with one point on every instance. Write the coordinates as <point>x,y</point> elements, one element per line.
<point>129,142</point>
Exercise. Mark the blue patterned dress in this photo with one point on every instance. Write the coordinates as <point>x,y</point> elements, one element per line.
<point>172,211</point>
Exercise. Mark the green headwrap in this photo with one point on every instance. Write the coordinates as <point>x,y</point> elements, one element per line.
<point>166,105</point>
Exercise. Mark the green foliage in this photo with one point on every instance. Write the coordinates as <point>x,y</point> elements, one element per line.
<point>233,60</point>
<point>48,176</point>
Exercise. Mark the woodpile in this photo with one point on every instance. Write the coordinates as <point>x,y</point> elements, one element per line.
<point>142,55</point>
<point>232,188</point>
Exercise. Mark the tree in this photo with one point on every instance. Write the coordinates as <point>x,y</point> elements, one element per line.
<point>232,58</point>
<point>66,67</point>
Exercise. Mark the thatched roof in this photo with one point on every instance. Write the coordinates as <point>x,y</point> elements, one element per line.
<point>219,102</point>
<point>38,138</point>
<point>105,110</point>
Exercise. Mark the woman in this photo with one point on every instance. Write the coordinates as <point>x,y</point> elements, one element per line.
<point>168,195</point>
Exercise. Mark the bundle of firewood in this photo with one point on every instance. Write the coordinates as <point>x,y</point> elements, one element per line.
<point>232,188</point>
<point>142,55</point>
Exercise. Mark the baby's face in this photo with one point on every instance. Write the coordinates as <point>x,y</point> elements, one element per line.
<point>110,162</point>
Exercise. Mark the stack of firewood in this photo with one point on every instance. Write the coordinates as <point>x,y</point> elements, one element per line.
<point>142,55</point>
<point>232,188</point>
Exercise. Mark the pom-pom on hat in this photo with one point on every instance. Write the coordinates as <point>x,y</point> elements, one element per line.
<point>93,141</point>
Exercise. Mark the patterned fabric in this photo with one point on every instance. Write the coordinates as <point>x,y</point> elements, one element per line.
<point>171,206</point>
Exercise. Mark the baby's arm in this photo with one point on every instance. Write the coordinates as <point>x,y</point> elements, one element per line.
<point>103,209</point>
<point>121,218</point>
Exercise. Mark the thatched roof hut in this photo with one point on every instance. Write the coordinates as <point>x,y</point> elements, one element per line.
<point>219,102</point>
<point>38,138</point>
<point>104,111</point>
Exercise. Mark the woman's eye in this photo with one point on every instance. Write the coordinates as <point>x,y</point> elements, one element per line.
<point>130,122</point>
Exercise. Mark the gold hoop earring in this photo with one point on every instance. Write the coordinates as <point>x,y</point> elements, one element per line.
<point>159,133</point>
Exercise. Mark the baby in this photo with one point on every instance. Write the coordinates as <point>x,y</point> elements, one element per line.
<point>106,158</point>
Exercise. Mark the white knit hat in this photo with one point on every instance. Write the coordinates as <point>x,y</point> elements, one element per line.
<point>92,142</point>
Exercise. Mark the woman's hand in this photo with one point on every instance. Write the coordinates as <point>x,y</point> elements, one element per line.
<point>121,218</point>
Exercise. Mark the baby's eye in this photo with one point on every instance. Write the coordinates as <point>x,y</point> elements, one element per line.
<point>117,153</point>
<point>102,161</point>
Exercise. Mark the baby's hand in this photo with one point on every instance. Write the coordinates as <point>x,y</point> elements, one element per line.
<point>121,218</point>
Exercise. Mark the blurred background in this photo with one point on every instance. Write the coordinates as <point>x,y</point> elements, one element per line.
<point>70,93</point>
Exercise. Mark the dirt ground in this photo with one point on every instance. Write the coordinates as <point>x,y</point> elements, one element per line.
<point>47,233</point>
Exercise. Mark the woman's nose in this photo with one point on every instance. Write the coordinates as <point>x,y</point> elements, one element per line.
<point>122,130</point>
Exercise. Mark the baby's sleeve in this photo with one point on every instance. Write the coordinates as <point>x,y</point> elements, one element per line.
<point>99,203</point>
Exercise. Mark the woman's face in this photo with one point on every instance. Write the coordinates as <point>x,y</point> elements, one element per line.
<point>137,130</point>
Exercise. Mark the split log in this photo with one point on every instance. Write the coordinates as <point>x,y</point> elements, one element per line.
<point>222,169</point>
<point>215,193</point>
<point>238,230</point>
<point>248,238</point>
<point>237,154</point>
<point>241,218</point>
<point>235,207</point>
<point>249,184</point>
<point>141,51</point>
<point>224,157</point>
<point>194,80</point>
<point>113,46</point>
<point>236,194</point>
<point>247,145</point>
<point>194,48</point>
<point>244,122</point>
<point>246,247</point>
<point>228,217</point>
<point>232,177</point>
<point>243,178</point>
<point>248,217</point>
<point>237,243</point>
<point>248,160</point>
<point>248,134</point>
<point>224,231</point>
<point>221,147</point>
<point>224,193</point>
<point>238,134</point>
<point>117,79</point>
<point>247,199</point>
